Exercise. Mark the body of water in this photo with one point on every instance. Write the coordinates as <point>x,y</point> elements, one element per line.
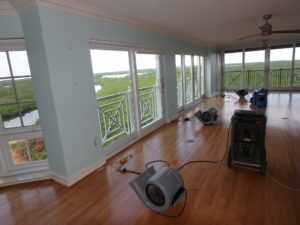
<point>97,88</point>
<point>29,119</point>
<point>116,75</point>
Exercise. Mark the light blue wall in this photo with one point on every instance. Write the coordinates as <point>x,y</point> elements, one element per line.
<point>58,50</point>
<point>212,71</point>
<point>10,27</point>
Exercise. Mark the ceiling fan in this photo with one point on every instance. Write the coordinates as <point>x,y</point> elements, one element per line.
<point>266,29</point>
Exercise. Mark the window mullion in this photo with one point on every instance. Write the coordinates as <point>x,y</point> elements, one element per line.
<point>135,89</point>
<point>293,66</point>
<point>267,68</point>
<point>243,69</point>
<point>183,80</point>
<point>192,77</point>
<point>14,88</point>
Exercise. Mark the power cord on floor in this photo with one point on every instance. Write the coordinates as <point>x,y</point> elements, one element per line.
<point>281,184</point>
<point>211,161</point>
<point>124,170</point>
<point>156,161</point>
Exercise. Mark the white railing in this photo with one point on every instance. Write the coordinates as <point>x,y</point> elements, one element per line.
<point>116,113</point>
<point>148,104</point>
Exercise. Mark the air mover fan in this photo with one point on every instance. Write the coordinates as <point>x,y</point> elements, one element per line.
<point>159,190</point>
<point>242,92</point>
<point>260,97</point>
<point>207,116</point>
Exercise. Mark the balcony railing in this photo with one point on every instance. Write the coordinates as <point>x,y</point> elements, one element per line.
<point>116,113</point>
<point>255,78</point>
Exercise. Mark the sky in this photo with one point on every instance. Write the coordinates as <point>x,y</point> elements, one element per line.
<point>19,63</point>
<point>105,61</point>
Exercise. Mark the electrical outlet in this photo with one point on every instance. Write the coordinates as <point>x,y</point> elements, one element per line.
<point>95,141</point>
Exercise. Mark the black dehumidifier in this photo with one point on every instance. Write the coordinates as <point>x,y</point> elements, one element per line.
<point>247,145</point>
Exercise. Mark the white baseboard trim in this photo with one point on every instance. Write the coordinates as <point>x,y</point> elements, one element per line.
<point>69,181</point>
<point>24,178</point>
<point>214,94</point>
<point>171,119</point>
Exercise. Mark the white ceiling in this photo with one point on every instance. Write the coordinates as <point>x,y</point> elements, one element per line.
<point>219,22</point>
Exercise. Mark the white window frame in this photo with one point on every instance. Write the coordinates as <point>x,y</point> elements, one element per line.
<point>7,167</point>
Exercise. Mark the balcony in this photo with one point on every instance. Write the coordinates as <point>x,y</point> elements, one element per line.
<point>116,113</point>
<point>255,78</point>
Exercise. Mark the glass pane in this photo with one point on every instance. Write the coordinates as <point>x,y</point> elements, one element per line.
<point>30,115</point>
<point>197,76</point>
<point>24,88</point>
<point>149,91</point>
<point>179,80</point>
<point>110,68</point>
<point>297,68</point>
<point>280,67</point>
<point>188,78</point>
<point>37,149</point>
<point>233,69</point>
<point>113,91</point>
<point>18,151</point>
<point>4,68</point>
<point>10,116</point>
<point>254,68</point>
<point>19,63</point>
<point>7,94</point>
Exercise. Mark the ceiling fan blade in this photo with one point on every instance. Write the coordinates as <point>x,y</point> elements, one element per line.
<point>285,31</point>
<point>250,36</point>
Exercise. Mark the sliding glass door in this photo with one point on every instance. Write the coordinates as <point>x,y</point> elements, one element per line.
<point>113,87</point>
<point>273,68</point>
<point>190,79</point>
<point>280,72</point>
<point>149,91</point>
<point>128,91</point>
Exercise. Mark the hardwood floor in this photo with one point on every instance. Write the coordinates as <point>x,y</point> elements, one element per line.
<point>216,194</point>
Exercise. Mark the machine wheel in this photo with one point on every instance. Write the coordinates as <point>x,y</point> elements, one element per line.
<point>229,158</point>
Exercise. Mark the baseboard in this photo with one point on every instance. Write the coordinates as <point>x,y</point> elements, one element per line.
<point>214,94</point>
<point>171,119</point>
<point>69,181</point>
<point>24,178</point>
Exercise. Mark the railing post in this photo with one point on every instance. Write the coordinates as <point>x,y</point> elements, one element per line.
<point>293,66</point>
<point>267,68</point>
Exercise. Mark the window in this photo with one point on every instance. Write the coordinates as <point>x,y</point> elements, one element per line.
<point>17,100</point>
<point>190,78</point>
<point>280,67</point>
<point>128,91</point>
<point>248,68</point>
<point>233,69</point>
<point>21,146</point>
<point>254,68</point>
<point>27,150</point>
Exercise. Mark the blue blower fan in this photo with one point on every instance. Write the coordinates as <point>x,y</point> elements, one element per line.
<point>260,97</point>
